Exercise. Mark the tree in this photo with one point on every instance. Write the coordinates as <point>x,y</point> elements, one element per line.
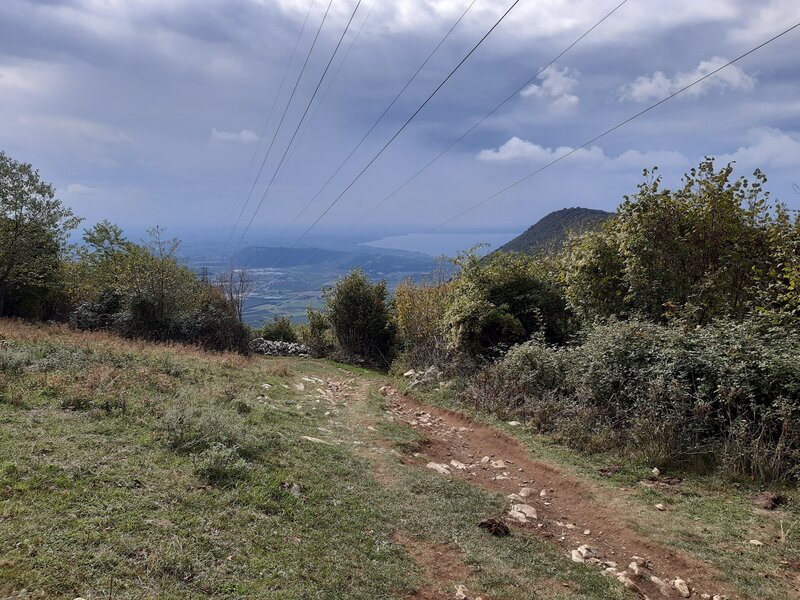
<point>237,286</point>
<point>360,319</point>
<point>701,251</point>
<point>505,299</point>
<point>34,229</point>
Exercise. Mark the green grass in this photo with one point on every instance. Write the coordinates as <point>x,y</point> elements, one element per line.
<point>96,499</point>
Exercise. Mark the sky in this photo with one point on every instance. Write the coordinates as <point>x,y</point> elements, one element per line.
<point>153,112</point>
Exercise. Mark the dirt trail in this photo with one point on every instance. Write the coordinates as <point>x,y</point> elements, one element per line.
<point>568,511</point>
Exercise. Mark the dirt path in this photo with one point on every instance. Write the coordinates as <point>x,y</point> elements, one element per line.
<point>552,504</point>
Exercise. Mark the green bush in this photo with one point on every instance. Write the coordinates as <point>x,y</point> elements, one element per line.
<point>192,429</point>
<point>317,335</point>
<point>279,329</point>
<point>502,300</point>
<point>727,394</point>
<point>360,319</point>
<point>220,464</point>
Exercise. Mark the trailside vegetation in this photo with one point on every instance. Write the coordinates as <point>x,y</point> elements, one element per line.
<point>670,334</point>
<point>107,282</point>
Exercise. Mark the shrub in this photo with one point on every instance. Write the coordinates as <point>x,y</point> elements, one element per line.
<point>359,317</point>
<point>317,335</point>
<point>279,329</point>
<point>220,464</point>
<point>192,429</point>
<point>502,300</point>
<point>727,394</point>
<point>419,317</point>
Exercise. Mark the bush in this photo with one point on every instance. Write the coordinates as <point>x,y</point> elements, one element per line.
<point>419,317</point>
<point>192,430</point>
<point>502,300</point>
<point>316,334</point>
<point>727,394</point>
<point>359,317</point>
<point>220,464</point>
<point>279,329</point>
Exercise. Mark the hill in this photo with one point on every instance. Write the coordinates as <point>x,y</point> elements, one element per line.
<point>130,470</point>
<point>551,231</point>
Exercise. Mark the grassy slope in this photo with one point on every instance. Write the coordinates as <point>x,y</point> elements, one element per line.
<point>95,503</point>
<point>708,518</point>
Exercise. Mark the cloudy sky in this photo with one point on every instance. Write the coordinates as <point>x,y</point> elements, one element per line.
<point>150,111</point>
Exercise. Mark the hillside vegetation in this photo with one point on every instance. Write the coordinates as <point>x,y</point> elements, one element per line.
<point>551,232</point>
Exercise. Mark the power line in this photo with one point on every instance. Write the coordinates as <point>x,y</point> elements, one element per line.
<point>300,123</point>
<point>379,119</point>
<point>271,110</point>
<point>333,78</point>
<point>280,124</point>
<point>402,128</point>
<point>599,136</point>
<point>476,125</point>
<point>614,128</point>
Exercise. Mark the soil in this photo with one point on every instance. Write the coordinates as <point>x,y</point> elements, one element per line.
<point>567,508</point>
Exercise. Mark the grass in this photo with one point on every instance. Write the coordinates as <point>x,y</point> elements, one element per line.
<point>108,490</point>
<point>709,518</point>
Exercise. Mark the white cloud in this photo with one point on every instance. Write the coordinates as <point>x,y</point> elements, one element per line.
<point>768,148</point>
<point>517,149</point>
<point>245,136</point>
<point>556,86</point>
<point>658,85</point>
<point>78,189</point>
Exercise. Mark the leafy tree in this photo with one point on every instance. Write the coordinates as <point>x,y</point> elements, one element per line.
<point>505,299</point>
<point>359,316</point>
<point>279,329</point>
<point>697,252</point>
<point>34,228</point>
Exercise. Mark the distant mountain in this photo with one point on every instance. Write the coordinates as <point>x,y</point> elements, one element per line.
<point>551,232</point>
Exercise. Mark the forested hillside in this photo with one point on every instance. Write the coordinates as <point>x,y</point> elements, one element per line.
<point>551,232</point>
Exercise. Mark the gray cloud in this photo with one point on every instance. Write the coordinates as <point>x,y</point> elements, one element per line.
<point>155,107</point>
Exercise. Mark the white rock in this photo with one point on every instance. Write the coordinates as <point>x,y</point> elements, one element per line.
<point>634,568</point>
<point>485,460</point>
<point>462,593</point>
<point>516,498</point>
<point>587,532</point>
<point>526,491</point>
<point>440,468</point>
<point>409,373</point>
<point>705,596</point>
<point>525,509</point>
<point>662,586</point>
<point>571,526</point>
<point>585,551</point>
<point>308,438</point>
<point>661,507</point>
<point>543,494</point>
<point>576,557</point>
<point>458,465</point>
<point>756,543</point>
<point>518,516</point>
<point>498,464</point>
<point>514,423</point>
<point>625,580</point>
<point>680,586</point>
<point>655,472</point>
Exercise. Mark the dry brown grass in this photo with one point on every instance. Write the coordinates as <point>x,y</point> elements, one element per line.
<point>15,329</point>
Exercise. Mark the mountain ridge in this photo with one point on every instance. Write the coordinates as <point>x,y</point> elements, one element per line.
<point>551,231</point>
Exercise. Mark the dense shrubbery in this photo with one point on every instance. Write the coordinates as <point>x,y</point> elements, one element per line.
<point>727,393</point>
<point>143,291</point>
<point>279,329</point>
<point>107,282</point>
<point>360,319</point>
